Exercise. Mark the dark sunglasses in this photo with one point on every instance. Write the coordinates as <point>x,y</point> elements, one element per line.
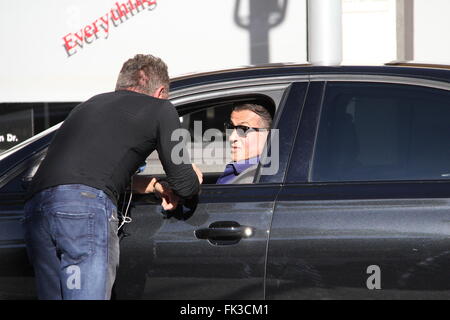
<point>241,130</point>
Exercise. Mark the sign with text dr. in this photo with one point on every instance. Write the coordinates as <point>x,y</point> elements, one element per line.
<point>15,127</point>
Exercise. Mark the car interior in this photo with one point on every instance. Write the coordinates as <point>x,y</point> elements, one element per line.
<point>199,117</point>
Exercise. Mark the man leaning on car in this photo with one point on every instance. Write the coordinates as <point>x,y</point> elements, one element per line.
<point>71,212</point>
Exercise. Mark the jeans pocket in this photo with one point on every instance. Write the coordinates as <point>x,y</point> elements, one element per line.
<point>74,233</point>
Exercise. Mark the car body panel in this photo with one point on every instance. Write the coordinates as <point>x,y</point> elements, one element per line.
<point>322,245</point>
<point>174,264</point>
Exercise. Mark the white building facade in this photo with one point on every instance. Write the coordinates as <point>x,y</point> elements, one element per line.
<point>64,51</point>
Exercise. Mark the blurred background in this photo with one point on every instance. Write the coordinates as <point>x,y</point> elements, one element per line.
<point>40,81</point>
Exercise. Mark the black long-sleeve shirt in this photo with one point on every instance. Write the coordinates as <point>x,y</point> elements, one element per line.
<point>104,140</point>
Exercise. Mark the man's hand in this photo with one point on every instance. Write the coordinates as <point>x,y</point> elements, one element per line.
<point>169,199</point>
<point>161,189</point>
<point>198,172</point>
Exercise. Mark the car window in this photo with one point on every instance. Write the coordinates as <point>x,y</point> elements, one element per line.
<point>20,121</point>
<point>206,137</point>
<point>203,127</point>
<point>372,131</point>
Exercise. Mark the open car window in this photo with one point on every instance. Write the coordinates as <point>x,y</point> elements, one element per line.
<point>206,138</point>
<point>203,125</point>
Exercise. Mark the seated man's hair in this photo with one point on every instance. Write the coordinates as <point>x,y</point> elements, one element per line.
<point>259,110</point>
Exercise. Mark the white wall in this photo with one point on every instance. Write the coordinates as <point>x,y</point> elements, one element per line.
<point>190,36</point>
<point>432,31</point>
<point>196,35</point>
<point>32,33</point>
<point>369,32</point>
<point>288,41</point>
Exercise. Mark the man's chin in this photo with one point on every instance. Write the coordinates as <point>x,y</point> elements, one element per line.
<point>239,159</point>
<point>235,157</point>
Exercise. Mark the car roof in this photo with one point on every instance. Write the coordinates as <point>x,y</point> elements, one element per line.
<point>402,69</point>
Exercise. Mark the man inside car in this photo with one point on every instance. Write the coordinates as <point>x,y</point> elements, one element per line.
<point>249,126</point>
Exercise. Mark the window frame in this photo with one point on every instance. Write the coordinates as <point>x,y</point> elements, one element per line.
<point>304,152</point>
<point>200,98</point>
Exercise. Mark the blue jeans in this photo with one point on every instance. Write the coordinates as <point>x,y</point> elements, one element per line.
<point>72,242</point>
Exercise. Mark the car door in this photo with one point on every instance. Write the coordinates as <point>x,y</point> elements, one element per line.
<point>365,212</point>
<point>217,248</point>
<point>16,273</point>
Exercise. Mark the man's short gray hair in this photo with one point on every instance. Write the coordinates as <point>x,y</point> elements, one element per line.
<point>262,112</point>
<point>146,73</point>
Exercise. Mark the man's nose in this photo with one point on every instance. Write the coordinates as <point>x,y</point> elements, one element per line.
<point>233,136</point>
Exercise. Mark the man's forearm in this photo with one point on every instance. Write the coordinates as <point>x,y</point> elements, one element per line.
<point>185,184</point>
<point>143,184</point>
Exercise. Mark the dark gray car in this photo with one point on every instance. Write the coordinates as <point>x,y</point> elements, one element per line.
<point>358,206</point>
